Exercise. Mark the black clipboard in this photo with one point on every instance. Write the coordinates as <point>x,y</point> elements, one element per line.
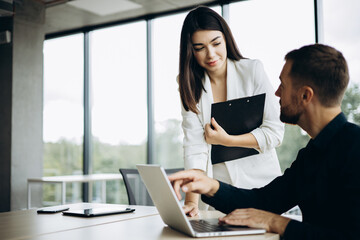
<point>237,116</point>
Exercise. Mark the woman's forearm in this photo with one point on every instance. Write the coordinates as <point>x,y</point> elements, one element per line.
<point>192,198</point>
<point>246,140</point>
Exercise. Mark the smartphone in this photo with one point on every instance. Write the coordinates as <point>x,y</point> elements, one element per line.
<point>94,212</point>
<point>54,209</point>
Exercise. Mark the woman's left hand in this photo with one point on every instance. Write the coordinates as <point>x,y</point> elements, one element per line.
<point>216,136</point>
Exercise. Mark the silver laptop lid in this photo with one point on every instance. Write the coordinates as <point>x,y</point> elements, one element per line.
<point>164,197</point>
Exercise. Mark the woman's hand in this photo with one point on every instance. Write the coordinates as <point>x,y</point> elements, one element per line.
<point>191,209</point>
<point>216,136</point>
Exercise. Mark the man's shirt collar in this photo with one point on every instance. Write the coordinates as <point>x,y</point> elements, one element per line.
<point>329,131</point>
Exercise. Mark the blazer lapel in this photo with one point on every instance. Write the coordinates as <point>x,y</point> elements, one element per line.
<point>206,101</point>
<point>231,81</point>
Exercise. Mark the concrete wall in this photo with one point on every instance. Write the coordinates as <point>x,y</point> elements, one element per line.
<point>23,79</point>
<point>27,101</point>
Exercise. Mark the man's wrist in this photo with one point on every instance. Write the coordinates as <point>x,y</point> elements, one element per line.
<point>215,185</point>
<point>278,224</point>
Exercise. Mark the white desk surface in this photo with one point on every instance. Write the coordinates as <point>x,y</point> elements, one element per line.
<point>77,178</point>
<point>144,223</point>
<point>26,224</point>
<point>146,228</point>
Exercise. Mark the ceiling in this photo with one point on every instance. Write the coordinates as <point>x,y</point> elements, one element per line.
<point>71,15</point>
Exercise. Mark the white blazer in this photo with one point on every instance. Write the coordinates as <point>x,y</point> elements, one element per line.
<point>244,78</point>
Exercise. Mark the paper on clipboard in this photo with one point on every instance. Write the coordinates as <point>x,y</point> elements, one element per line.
<point>237,116</point>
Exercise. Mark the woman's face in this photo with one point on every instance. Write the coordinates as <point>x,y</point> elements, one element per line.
<point>210,50</point>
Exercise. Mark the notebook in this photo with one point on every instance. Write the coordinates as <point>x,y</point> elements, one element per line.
<point>237,116</point>
<point>170,210</point>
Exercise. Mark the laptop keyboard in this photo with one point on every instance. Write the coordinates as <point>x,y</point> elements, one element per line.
<point>204,226</point>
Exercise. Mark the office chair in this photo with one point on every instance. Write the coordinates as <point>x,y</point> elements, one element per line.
<point>135,188</point>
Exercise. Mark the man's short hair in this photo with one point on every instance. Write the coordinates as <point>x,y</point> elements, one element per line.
<point>323,68</point>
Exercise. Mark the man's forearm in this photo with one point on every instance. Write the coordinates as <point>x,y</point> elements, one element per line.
<point>228,198</point>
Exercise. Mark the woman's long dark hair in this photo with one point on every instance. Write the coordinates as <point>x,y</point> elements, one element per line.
<point>190,72</point>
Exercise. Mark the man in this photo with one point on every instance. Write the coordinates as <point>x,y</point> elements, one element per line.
<point>324,180</point>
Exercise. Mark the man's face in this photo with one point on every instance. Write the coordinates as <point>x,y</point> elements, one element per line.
<point>291,110</point>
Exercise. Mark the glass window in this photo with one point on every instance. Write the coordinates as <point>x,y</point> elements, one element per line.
<point>267,30</point>
<point>119,100</point>
<point>167,108</point>
<point>342,31</point>
<point>63,114</point>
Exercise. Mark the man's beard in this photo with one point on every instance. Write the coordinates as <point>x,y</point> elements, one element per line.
<point>290,116</point>
<point>290,119</point>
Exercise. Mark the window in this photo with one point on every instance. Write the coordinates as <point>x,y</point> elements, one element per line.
<point>341,30</point>
<point>267,30</point>
<point>63,113</point>
<point>167,108</point>
<point>119,104</point>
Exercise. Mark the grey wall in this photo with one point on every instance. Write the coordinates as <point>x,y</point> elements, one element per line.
<point>27,100</point>
<point>21,139</point>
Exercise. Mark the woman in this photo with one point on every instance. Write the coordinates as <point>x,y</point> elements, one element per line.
<point>213,70</point>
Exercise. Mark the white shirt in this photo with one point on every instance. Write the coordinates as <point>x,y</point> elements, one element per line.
<point>244,78</point>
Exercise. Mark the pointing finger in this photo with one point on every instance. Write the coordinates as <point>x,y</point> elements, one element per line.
<point>176,186</point>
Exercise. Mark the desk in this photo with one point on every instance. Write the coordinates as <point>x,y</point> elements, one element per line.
<point>72,178</point>
<point>28,224</point>
<point>144,223</point>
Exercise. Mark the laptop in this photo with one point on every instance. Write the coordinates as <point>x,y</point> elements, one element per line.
<point>171,212</point>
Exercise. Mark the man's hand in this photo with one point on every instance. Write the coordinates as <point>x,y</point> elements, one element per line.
<point>257,218</point>
<point>193,181</point>
<point>217,135</point>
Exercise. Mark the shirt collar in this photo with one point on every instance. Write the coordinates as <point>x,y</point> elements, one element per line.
<point>329,131</point>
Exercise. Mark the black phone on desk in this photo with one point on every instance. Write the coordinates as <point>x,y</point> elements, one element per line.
<point>94,212</point>
<point>54,209</point>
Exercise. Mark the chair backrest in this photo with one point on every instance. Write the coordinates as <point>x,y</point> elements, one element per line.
<point>136,190</point>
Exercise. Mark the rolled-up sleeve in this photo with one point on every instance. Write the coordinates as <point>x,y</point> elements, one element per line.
<point>196,150</point>
<point>270,134</point>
